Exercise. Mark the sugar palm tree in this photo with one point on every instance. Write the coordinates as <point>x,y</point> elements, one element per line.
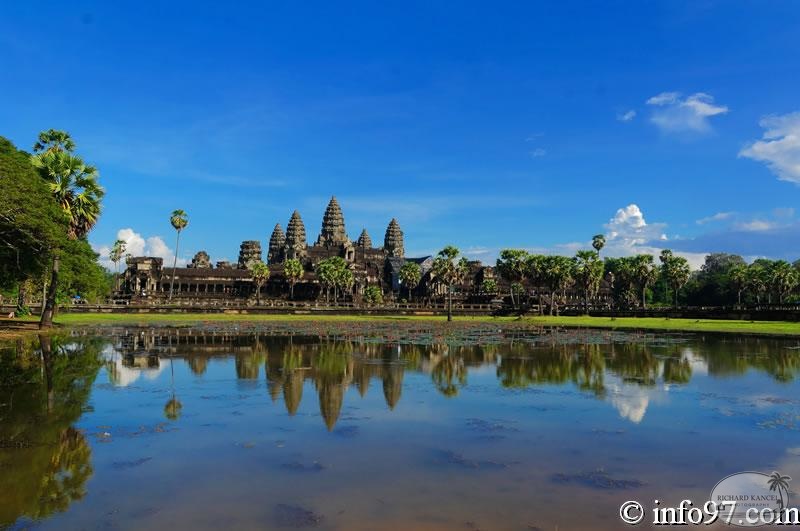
<point>410,275</point>
<point>450,270</point>
<point>260,272</point>
<point>598,242</point>
<point>645,272</point>
<point>293,270</point>
<point>588,274</point>
<point>179,220</point>
<point>54,140</point>
<point>75,188</point>
<point>512,265</point>
<point>117,252</point>
<point>738,276</point>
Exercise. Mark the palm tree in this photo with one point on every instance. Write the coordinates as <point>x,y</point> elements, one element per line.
<point>410,275</point>
<point>54,140</point>
<point>675,271</point>
<point>179,220</point>
<point>588,274</point>
<point>780,484</point>
<point>645,272</point>
<point>117,252</point>
<point>260,272</point>
<point>783,278</point>
<point>598,242</point>
<point>557,273</point>
<point>74,186</point>
<point>756,280</point>
<point>512,266</point>
<point>738,276</point>
<point>293,271</point>
<point>450,270</point>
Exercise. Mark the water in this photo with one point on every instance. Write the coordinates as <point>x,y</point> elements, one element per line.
<point>382,427</point>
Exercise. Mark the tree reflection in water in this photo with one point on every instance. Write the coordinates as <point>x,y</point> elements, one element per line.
<point>45,461</point>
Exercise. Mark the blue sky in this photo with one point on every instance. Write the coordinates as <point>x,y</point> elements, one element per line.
<point>485,125</point>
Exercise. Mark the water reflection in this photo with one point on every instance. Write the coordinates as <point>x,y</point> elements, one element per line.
<point>45,385</point>
<point>44,461</point>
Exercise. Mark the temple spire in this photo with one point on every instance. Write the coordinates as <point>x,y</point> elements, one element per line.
<point>276,244</point>
<point>295,237</point>
<point>364,240</point>
<point>333,231</point>
<point>393,241</point>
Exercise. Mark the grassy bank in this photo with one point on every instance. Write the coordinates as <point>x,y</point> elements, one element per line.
<point>688,325</point>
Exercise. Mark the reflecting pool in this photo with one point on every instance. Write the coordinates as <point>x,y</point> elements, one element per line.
<point>382,427</point>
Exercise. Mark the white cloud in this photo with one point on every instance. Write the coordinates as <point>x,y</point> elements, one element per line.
<point>674,114</point>
<point>756,225</point>
<point>628,228</point>
<point>538,152</point>
<point>779,148</point>
<point>719,216</point>
<point>137,245</point>
<point>626,116</point>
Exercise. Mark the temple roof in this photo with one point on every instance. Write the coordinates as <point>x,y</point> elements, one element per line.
<point>393,240</point>
<point>333,231</point>
<point>296,231</point>
<point>364,240</point>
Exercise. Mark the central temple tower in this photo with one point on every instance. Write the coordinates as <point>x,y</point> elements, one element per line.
<point>333,232</point>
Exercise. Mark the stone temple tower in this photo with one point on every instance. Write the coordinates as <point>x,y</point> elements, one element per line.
<point>364,240</point>
<point>333,232</point>
<point>393,241</point>
<point>295,237</point>
<point>249,252</point>
<point>276,245</point>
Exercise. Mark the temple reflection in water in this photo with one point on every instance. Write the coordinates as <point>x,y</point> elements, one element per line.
<point>627,374</point>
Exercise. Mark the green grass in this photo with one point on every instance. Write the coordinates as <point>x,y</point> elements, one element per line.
<point>688,325</point>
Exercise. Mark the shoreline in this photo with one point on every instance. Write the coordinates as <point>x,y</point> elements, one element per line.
<point>22,327</point>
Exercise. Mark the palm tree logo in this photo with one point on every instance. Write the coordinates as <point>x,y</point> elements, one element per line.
<point>780,484</point>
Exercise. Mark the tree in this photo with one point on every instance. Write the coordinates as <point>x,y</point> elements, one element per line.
<point>75,188</point>
<point>260,273</point>
<point>327,276</point>
<point>334,273</point>
<point>780,484</point>
<point>117,252</point>
<point>54,140</point>
<point>675,271</point>
<point>588,271</point>
<point>598,242</point>
<point>410,275</point>
<point>645,272</point>
<point>489,286</point>
<point>31,222</point>
<point>512,266</point>
<point>557,274</point>
<point>783,278</point>
<point>756,280</point>
<point>449,270</point>
<point>534,271</point>
<point>373,295</point>
<point>738,276</point>
<point>179,220</point>
<point>293,270</point>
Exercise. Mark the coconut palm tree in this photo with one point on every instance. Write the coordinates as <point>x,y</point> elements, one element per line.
<point>293,271</point>
<point>410,275</point>
<point>179,220</point>
<point>260,273</point>
<point>780,484</point>
<point>74,186</point>
<point>598,242</point>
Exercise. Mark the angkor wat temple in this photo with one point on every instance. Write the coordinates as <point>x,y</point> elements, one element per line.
<point>146,278</point>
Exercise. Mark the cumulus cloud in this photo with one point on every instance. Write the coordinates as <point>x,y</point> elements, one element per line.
<point>779,148</point>
<point>628,228</point>
<point>626,116</point>
<point>138,245</point>
<point>719,216</point>
<point>673,113</point>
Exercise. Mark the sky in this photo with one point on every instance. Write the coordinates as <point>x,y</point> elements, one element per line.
<point>485,125</point>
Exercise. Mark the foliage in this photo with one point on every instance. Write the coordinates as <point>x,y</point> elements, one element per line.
<point>449,268</point>
<point>675,271</point>
<point>373,295</point>
<point>410,276</point>
<point>293,271</point>
<point>117,252</point>
<point>489,286</point>
<point>588,272</point>
<point>512,266</point>
<point>31,222</point>
<point>598,242</point>
<point>260,273</point>
<point>335,273</point>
